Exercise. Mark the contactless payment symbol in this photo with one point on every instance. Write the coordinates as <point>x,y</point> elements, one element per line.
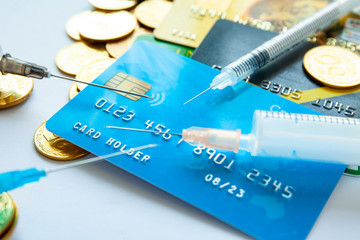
<point>159,98</point>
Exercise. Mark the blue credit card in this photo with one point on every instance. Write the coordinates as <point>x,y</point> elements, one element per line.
<point>268,198</point>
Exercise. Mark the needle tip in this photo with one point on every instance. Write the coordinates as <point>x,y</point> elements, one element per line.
<point>149,97</point>
<point>198,95</point>
<point>188,101</point>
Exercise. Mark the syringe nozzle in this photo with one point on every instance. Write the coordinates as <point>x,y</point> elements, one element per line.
<point>223,80</point>
<point>16,66</point>
<point>213,138</point>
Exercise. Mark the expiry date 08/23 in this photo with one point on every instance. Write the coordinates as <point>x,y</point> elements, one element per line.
<point>225,185</point>
<point>255,176</point>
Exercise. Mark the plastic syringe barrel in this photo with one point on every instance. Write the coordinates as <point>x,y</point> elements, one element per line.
<point>249,63</point>
<point>8,64</point>
<point>14,179</point>
<point>304,136</point>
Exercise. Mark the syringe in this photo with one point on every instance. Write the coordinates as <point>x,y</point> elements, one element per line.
<point>245,66</point>
<point>15,179</point>
<point>8,64</point>
<point>287,135</point>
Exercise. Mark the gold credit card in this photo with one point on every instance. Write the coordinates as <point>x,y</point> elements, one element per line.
<point>274,15</point>
<point>188,21</point>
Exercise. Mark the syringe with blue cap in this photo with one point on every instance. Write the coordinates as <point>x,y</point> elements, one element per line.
<point>15,179</point>
<point>245,66</point>
<point>285,135</point>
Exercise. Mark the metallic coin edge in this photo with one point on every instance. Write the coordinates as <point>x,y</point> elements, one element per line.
<point>20,100</point>
<point>71,90</point>
<point>95,63</point>
<point>68,23</point>
<point>51,156</point>
<point>82,35</point>
<point>12,219</point>
<point>141,20</point>
<point>110,49</point>
<point>59,54</point>
<point>306,56</point>
<point>11,228</point>
<point>111,9</point>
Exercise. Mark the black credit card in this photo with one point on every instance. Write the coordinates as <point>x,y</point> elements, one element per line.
<point>227,41</point>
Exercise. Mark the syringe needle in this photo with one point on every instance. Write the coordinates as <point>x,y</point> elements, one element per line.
<point>270,50</point>
<point>95,159</point>
<point>143,130</point>
<point>198,95</point>
<point>15,179</point>
<point>97,85</point>
<point>16,66</point>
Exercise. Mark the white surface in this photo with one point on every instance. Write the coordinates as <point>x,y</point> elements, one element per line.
<point>101,201</point>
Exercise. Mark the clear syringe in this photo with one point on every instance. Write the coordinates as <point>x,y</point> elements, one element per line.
<point>281,134</point>
<point>270,50</point>
<point>288,135</point>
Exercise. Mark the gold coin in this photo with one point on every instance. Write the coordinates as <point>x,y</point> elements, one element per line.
<point>8,233</point>
<point>5,86</point>
<point>11,228</point>
<point>333,66</point>
<point>92,71</point>
<point>112,5</point>
<point>73,91</point>
<point>151,13</point>
<point>107,26</point>
<point>72,25</point>
<point>74,57</point>
<point>118,48</point>
<point>14,89</point>
<point>7,214</point>
<point>55,147</point>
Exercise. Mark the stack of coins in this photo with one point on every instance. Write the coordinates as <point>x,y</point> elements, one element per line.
<point>8,215</point>
<point>102,34</point>
<point>106,32</point>
<point>354,47</point>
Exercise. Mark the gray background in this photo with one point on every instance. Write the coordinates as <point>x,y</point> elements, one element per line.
<point>102,201</point>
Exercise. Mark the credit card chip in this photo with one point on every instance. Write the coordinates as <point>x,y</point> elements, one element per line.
<point>123,81</point>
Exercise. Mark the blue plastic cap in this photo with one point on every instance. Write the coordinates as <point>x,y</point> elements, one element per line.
<point>16,179</point>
